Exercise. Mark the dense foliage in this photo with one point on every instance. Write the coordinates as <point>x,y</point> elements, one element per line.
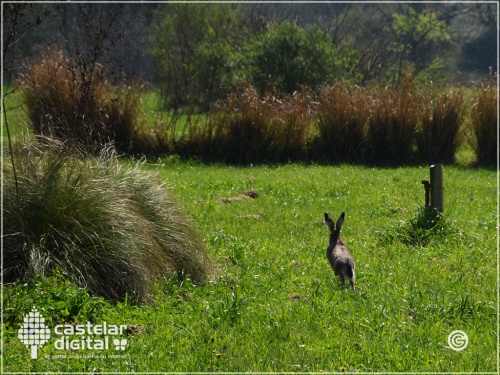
<point>485,126</point>
<point>75,103</point>
<point>196,53</point>
<point>288,57</point>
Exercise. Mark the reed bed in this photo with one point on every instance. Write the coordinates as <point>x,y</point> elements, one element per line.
<point>485,126</point>
<point>382,126</point>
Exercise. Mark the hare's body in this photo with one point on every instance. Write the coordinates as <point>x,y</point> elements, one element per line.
<point>338,254</point>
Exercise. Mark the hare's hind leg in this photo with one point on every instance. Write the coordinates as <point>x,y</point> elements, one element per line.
<point>339,270</point>
<point>351,276</point>
<point>342,279</point>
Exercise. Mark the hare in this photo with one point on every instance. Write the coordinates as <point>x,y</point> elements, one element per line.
<point>337,253</point>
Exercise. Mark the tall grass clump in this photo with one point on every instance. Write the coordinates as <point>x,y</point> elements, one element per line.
<point>242,127</point>
<point>341,122</point>
<point>230,133</point>
<point>484,124</point>
<point>108,227</point>
<point>392,125</point>
<point>439,135</point>
<point>247,128</point>
<point>70,102</point>
<point>419,228</point>
<point>289,132</point>
<point>199,141</point>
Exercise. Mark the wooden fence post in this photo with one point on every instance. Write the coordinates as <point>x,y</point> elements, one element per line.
<point>437,187</point>
<point>427,187</point>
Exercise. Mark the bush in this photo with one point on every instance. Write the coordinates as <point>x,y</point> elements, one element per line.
<point>484,123</point>
<point>242,129</point>
<point>288,57</point>
<point>340,124</point>
<point>198,139</point>
<point>342,118</point>
<point>290,132</point>
<point>108,227</point>
<point>439,135</point>
<point>64,103</point>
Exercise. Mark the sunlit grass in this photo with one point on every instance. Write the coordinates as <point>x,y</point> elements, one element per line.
<point>277,306</point>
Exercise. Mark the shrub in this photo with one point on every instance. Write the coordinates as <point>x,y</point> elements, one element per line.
<point>439,135</point>
<point>394,116</point>
<point>290,126</point>
<point>64,103</point>
<point>484,123</point>
<point>121,117</point>
<point>108,227</point>
<point>198,140</point>
<point>341,122</point>
<point>288,57</point>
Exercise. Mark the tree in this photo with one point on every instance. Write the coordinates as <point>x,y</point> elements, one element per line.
<point>417,38</point>
<point>288,57</point>
<point>192,45</point>
<point>478,34</point>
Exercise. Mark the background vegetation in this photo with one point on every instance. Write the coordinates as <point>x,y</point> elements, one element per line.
<point>77,104</point>
<point>198,53</point>
<point>260,76</point>
<point>410,124</point>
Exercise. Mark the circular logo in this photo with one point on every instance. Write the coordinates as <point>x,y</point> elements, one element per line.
<point>458,340</point>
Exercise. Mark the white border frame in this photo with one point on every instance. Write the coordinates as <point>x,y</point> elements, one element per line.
<point>497,2</point>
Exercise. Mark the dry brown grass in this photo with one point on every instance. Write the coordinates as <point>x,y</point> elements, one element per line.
<point>484,123</point>
<point>64,103</point>
<point>394,117</point>
<point>439,134</point>
<point>341,122</point>
<point>249,129</point>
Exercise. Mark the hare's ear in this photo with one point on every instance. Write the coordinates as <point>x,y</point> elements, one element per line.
<point>329,222</point>
<point>340,221</point>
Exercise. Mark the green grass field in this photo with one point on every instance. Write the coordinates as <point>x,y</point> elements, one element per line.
<point>16,116</point>
<point>275,304</point>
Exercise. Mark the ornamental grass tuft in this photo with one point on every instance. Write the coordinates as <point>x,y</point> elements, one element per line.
<point>107,226</point>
